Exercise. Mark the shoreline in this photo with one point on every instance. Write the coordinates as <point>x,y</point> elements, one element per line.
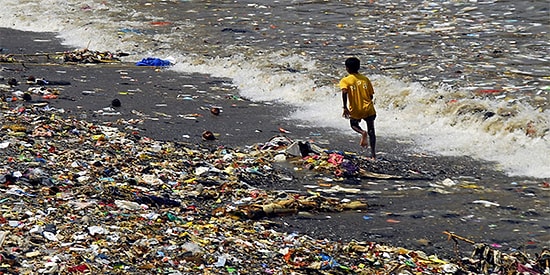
<point>167,106</point>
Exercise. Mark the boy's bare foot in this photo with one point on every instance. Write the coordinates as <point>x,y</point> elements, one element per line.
<point>371,159</point>
<point>363,141</point>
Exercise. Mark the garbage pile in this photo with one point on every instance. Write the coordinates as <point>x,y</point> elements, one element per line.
<point>7,58</point>
<point>89,56</point>
<point>84,56</point>
<point>342,165</point>
<point>78,197</point>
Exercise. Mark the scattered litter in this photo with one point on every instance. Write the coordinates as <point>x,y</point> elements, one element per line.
<point>207,135</point>
<point>84,198</point>
<point>215,111</point>
<point>142,209</point>
<point>116,103</point>
<point>486,203</point>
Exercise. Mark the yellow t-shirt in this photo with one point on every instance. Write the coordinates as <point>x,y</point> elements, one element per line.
<point>360,94</point>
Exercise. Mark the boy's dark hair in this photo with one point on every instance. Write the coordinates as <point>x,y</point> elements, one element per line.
<point>353,64</point>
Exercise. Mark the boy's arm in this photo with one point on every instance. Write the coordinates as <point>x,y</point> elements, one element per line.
<point>345,102</point>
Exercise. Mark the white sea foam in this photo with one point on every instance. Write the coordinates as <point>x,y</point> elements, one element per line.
<point>445,121</point>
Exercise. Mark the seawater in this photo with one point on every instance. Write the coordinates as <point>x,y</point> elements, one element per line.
<point>451,77</point>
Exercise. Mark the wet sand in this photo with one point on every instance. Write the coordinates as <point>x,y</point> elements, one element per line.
<point>411,212</point>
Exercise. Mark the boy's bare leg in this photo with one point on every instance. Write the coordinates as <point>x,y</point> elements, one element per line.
<point>372,137</point>
<point>373,154</point>
<point>364,135</point>
<point>364,138</point>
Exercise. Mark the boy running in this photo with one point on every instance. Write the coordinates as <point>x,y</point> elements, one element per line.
<point>357,91</point>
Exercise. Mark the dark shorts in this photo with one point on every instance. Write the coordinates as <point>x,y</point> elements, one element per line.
<point>355,122</point>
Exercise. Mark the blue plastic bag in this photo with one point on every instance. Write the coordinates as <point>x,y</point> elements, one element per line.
<point>152,61</point>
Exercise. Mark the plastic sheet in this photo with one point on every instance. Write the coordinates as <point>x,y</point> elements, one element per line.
<point>152,61</point>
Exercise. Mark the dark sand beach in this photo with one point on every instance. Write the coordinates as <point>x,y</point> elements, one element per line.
<point>411,210</point>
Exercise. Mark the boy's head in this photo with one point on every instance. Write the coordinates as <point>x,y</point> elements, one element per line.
<point>353,64</point>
